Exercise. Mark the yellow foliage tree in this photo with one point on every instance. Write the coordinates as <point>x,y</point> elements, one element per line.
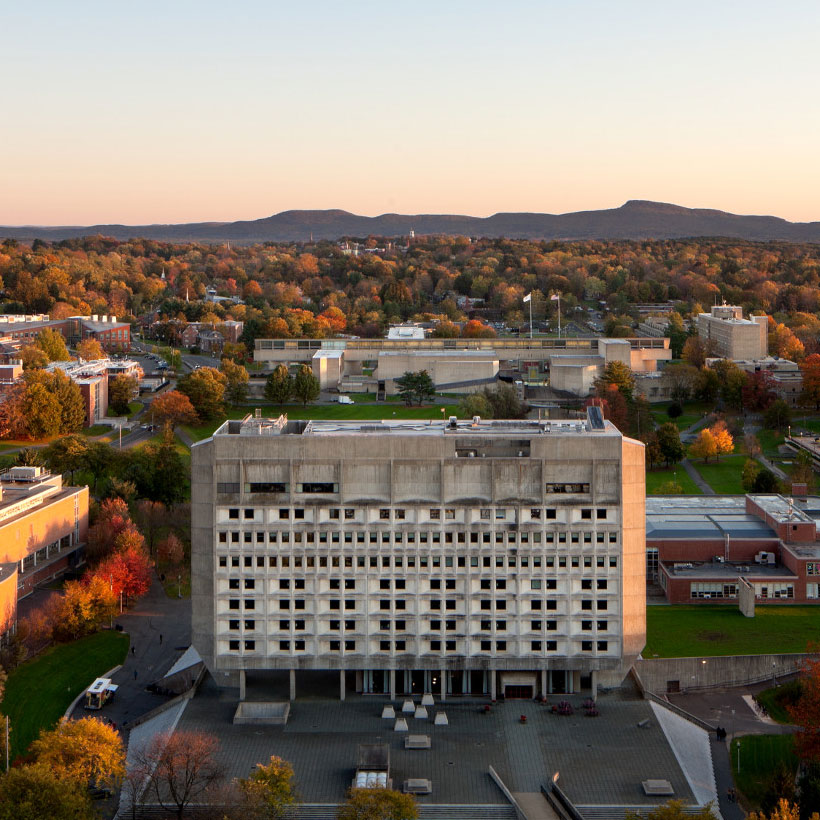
<point>724,443</point>
<point>269,789</point>
<point>783,811</point>
<point>86,606</point>
<point>378,804</point>
<point>704,446</point>
<point>90,349</point>
<point>87,751</point>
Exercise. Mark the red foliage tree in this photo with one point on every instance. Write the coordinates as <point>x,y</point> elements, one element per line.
<point>805,712</point>
<point>128,572</point>
<point>758,392</point>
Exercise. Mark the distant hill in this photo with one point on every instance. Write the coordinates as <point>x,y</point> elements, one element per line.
<point>637,219</point>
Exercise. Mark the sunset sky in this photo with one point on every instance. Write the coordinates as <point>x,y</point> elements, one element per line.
<point>187,111</point>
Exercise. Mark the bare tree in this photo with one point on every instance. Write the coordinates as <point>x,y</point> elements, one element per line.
<point>184,768</point>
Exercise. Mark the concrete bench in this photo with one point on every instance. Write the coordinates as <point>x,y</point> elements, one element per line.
<point>417,742</point>
<point>417,785</point>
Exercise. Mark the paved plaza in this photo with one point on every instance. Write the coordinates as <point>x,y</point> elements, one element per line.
<point>601,760</point>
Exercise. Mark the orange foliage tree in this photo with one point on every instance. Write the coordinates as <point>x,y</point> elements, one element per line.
<point>172,408</point>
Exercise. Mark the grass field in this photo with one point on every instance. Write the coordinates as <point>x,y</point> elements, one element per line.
<point>760,755</point>
<point>656,478</point>
<point>684,631</point>
<point>328,411</point>
<point>39,692</point>
<point>769,441</point>
<point>692,411</point>
<point>723,476</point>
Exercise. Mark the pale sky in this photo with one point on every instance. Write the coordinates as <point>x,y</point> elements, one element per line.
<point>197,110</point>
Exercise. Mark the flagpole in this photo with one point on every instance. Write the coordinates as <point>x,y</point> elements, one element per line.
<point>530,316</point>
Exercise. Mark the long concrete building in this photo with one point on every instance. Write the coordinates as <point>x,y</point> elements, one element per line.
<point>461,365</point>
<point>480,558</point>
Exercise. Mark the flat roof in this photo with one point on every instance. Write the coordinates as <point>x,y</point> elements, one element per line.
<point>434,427</point>
<point>724,570</point>
<point>702,517</point>
<point>783,510</point>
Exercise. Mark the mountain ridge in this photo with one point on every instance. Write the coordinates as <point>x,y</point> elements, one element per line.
<point>636,219</point>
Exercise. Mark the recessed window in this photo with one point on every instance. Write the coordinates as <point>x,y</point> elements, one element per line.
<point>334,646</point>
<point>586,646</point>
<point>234,514</point>
<point>602,645</point>
<point>486,646</point>
<point>233,645</point>
<point>234,624</point>
<point>349,513</point>
<point>284,513</point>
<point>350,646</point>
<point>250,623</point>
<point>250,646</point>
<point>535,646</point>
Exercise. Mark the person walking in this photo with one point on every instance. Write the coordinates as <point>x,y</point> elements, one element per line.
<point>135,674</point>
<point>160,637</point>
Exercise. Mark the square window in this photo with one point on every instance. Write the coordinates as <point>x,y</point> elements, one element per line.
<point>350,646</point>
<point>349,513</point>
<point>552,646</point>
<point>335,625</point>
<point>450,583</point>
<point>299,514</point>
<point>486,646</point>
<point>233,514</point>
<point>450,646</point>
<point>601,583</point>
<point>250,583</point>
<point>400,626</point>
<point>535,626</point>
<point>250,646</point>
<point>535,514</point>
<point>501,646</point>
<point>350,583</point>
<point>602,626</point>
<point>384,646</point>
<point>586,626</point>
<point>249,514</point>
<point>602,646</point>
<point>586,646</point>
<point>233,583</point>
<point>299,645</point>
<point>233,645</point>
<point>602,605</point>
<point>600,514</point>
<point>334,646</point>
<point>234,624</point>
<point>535,606</point>
<point>535,646</point>
<point>334,515</point>
<point>435,514</point>
<point>435,645</point>
<point>233,603</point>
<point>586,604</point>
<point>250,603</point>
<point>223,538</point>
<point>400,646</point>
<point>283,513</point>
<point>586,515</point>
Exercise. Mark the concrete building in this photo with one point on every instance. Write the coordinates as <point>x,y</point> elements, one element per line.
<point>460,558</point>
<point>702,549</point>
<point>43,527</point>
<point>733,337</point>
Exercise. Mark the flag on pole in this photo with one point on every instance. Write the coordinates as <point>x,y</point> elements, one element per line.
<point>528,297</point>
<point>555,297</point>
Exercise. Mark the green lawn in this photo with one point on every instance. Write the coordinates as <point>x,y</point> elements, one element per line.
<point>759,757</point>
<point>656,478</point>
<point>39,692</point>
<point>684,631</point>
<point>328,411</point>
<point>723,476</point>
<point>692,411</point>
<point>97,430</point>
<point>769,441</point>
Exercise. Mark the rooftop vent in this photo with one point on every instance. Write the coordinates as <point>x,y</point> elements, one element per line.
<point>476,421</point>
<point>453,422</point>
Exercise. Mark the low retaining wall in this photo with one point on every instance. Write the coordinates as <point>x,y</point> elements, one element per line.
<point>663,675</point>
<point>265,713</point>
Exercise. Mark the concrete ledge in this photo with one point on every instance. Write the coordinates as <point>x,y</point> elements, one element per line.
<point>262,713</point>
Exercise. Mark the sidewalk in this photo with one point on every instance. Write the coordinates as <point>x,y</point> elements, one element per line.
<point>154,616</point>
<point>695,476</point>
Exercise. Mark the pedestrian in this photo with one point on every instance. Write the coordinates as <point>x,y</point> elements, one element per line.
<point>132,649</point>
<point>160,637</point>
<point>135,674</point>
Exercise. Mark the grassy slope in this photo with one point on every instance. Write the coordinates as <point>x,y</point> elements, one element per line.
<point>759,756</point>
<point>655,478</point>
<point>723,476</point>
<point>715,629</point>
<point>39,692</point>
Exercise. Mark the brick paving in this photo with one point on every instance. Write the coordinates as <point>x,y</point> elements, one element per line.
<point>601,760</point>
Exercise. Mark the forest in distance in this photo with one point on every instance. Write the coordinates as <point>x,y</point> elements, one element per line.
<point>321,289</point>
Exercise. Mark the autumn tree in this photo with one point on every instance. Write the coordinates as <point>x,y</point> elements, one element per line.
<point>731,380</point>
<point>172,408</point>
<point>748,475</point>
<point>68,406</point>
<point>378,804</point>
<point>784,810</point>
<point>674,810</point>
<point>41,411</point>
<point>306,385</point>
<point>783,343</point>
<point>758,391</point>
<point>121,389</point>
<point>185,768</point>
<point>205,388</point>
<point>618,374</point>
<point>652,449</point>
<point>87,751</point>
<point>33,357</point>
<point>704,445</point>
<point>52,343</point>
<point>90,350</point>
<point>694,352</point>
<point>36,792</point>
<point>476,329</point>
<point>810,368</point>
<point>475,404</point>
<point>236,387</point>
<point>67,454</point>
<point>128,571</point>
<point>724,444</point>
<point>171,550</point>
<point>279,385</point>
<point>269,790</point>
<point>86,606</point>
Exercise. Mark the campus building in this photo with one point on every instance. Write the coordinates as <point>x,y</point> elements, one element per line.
<point>480,558</point>
<point>20,330</point>
<point>43,527</point>
<point>731,336</point>
<point>702,549</point>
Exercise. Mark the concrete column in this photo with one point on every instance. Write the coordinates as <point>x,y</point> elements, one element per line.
<point>443,686</point>
<point>593,684</point>
<point>492,675</point>
<point>544,682</point>
<point>341,684</point>
<point>465,683</point>
<point>293,684</point>
<point>241,684</point>
<point>392,684</point>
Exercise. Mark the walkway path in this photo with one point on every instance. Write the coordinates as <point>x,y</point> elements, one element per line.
<point>160,631</point>
<point>696,477</point>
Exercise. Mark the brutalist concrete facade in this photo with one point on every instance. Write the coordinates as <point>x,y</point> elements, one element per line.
<point>460,557</point>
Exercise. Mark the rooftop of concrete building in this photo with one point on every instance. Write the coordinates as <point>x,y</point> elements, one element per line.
<point>22,488</point>
<point>696,516</point>
<point>593,424</point>
<point>729,570</point>
<point>783,510</point>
